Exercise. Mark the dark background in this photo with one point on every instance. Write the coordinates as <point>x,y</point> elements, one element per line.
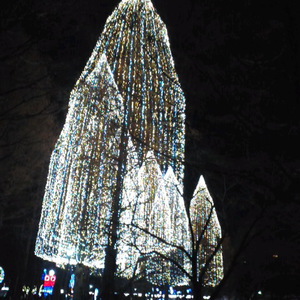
<point>238,64</point>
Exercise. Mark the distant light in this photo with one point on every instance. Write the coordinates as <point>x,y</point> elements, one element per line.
<point>2,274</point>
<point>96,293</point>
<point>275,255</point>
<point>62,291</point>
<point>206,297</point>
<point>259,292</point>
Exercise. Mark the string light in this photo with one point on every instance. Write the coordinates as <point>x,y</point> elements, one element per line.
<point>154,211</point>
<point>203,213</point>
<point>129,82</point>
<point>130,77</point>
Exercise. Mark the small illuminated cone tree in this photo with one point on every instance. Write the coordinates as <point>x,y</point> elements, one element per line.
<point>151,222</point>
<point>149,215</point>
<point>128,90</point>
<point>186,249</point>
<point>167,246</point>
<point>206,240</point>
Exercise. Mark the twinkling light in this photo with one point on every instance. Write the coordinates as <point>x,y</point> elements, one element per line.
<point>207,229</point>
<point>2,274</point>
<point>129,83</point>
<point>180,235</point>
<point>82,173</point>
<point>154,211</point>
<point>136,44</point>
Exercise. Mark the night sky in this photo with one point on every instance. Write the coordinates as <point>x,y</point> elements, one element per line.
<point>239,65</point>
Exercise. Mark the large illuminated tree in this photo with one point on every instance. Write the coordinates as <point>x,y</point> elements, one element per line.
<point>113,199</point>
<point>128,90</point>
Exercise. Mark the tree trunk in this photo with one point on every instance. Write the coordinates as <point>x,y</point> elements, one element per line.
<point>166,292</point>
<point>197,291</point>
<point>81,288</point>
<point>59,283</point>
<point>108,286</point>
<point>108,282</point>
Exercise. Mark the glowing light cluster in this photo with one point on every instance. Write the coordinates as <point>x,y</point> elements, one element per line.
<point>157,232</point>
<point>130,86</point>
<point>82,172</point>
<point>136,44</point>
<point>207,229</point>
<point>129,82</point>
<point>154,211</point>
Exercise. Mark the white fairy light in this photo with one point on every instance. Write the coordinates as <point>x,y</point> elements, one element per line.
<point>129,79</point>
<point>202,212</point>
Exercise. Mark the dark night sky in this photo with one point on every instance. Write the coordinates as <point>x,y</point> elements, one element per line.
<point>239,65</point>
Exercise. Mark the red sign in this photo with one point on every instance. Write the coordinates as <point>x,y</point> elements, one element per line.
<point>49,281</point>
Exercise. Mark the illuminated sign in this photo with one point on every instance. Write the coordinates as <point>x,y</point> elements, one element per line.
<point>49,282</point>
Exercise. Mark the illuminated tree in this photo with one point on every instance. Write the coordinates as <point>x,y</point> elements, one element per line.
<point>128,91</point>
<point>113,198</point>
<point>82,171</point>
<point>156,216</point>
<point>206,238</point>
<point>193,255</point>
<point>166,245</point>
